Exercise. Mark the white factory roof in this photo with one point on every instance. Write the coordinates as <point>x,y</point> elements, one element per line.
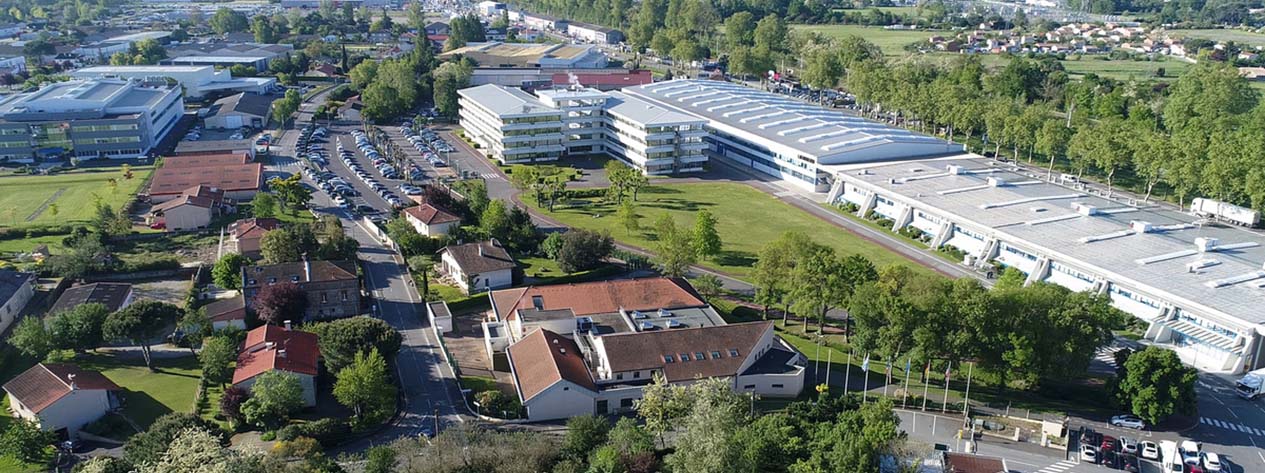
<point>218,59</point>
<point>99,96</point>
<point>828,136</point>
<point>1227,282</point>
<point>645,112</point>
<point>505,101</point>
<point>103,70</point>
<point>138,36</point>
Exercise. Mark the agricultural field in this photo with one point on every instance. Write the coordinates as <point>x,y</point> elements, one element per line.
<point>65,198</point>
<point>892,42</point>
<point>1238,36</point>
<point>747,219</point>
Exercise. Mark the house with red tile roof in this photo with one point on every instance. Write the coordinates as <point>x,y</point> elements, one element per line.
<point>430,220</point>
<point>272,348</point>
<point>245,235</point>
<point>61,397</point>
<point>579,349</point>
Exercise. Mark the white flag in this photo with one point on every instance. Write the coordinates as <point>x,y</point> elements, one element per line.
<point>865,365</point>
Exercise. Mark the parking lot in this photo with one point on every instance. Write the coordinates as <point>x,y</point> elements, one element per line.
<point>371,173</point>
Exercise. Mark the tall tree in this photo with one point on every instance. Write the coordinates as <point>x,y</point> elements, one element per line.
<point>705,238</point>
<point>140,323</point>
<point>1157,385</point>
<point>280,302</point>
<point>366,388</point>
<point>274,397</point>
<point>216,358</point>
<point>674,248</point>
<point>227,272</point>
<point>79,328</point>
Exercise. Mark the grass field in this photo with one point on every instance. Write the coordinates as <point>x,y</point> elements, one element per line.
<point>147,394</point>
<point>1238,36</point>
<point>747,220</point>
<point>892,42</point>
<point>25,200</point>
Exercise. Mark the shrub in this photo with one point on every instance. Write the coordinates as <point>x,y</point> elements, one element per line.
<point>327,431</point>
<point>268,436</point>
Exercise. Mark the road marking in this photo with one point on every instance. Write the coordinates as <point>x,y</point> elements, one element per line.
<point>1058,467</point>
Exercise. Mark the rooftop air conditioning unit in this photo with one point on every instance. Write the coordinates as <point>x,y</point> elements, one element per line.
<point>1084,209</point>
<point>997,182</point>
<point>1206,244</point>
<point>674,324</point>
<point>956,169</point>
<point>638,315</point>
<point>1141,226</point>
<point>665,313</point>
<point>647,326</point>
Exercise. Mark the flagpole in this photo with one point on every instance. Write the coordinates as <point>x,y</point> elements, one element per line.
<point>967,403</point>
<point>828,363</point>
<point>926,385</point>
<point>945,407</point>
<point>847,373</point>
<point>889,377</point>
<point>904,397</point>
<point>865,388</point>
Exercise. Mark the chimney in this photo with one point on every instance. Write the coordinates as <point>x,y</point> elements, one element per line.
<point>307,269</point>
<point>287,324</point>
<point>70,379</point>
<point>281,353</point>
<point>480,250</point>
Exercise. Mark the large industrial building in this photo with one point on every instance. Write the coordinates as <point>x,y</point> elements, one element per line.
<point>197,81</point>
<point>530,55</point>
<point>1198,284</point>
<point>513,126</point>
<point>87,119</point>
<point>784,137</point>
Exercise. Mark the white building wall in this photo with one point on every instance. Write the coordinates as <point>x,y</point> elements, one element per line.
<point>498,279</point>
<point>187,217</point>
<point>75,409</point>
<point>14,306</point>
<point>562,400</point>
<point>436,230</point>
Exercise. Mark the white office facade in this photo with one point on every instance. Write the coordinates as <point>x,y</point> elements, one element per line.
<point>105,118</point>
<point>1198,286</point>
<point>515,127</point>
<point>784,137</point>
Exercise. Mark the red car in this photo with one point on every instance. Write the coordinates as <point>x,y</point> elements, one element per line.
<point>1108,443</point>
<point>158,225</point>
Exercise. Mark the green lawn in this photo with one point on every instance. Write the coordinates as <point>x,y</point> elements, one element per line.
<point>747,220</point>
<point>147,394</point>
<point>543,270</point>
<point>1238,36</point>
<point>478,384</point>
<point>446,292</point>
<point>23,198</point>
<point>892,42</point>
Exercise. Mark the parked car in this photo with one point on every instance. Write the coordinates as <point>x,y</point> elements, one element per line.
<point>1190,451</point>
<point>1128,421</point>
<point>1149,450</point>
<point>1211,461</point>
<point>1088,454</point>
<point>1108,444</point>
<point>1128,445</point>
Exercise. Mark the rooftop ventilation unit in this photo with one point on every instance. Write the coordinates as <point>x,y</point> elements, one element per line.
<point>955,169</point>
<point>583,324</point>
<point>1206,244</point>
<point>997,182</point>
<point>1085,209</point>
<point>647,326</point>
<point>1141,226</point>
<point>638,315</point>
<point>665,313</point>
<point>1201,264</point>
<point>675,324</point>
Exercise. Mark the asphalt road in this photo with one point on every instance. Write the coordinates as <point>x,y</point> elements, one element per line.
<point>431,396</point>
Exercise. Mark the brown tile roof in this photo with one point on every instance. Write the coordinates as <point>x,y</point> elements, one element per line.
<point>543,358</point>
<point>600,297</point>
<point>204,160</point>
<point>480,257</point>
<point>250,231</point>
<point>295,272</point>
<point>965,463</point>
<point>646,350</point>
<point>174,181</point>
<point>224,310</point>
<point>46,383</point>
<point>431,215</point>
<point>183,199</point>
<point>111,294</point>
<point>271,347</point>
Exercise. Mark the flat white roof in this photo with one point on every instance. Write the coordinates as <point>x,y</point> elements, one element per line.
<point>1039,216</point>
<point>647,113</point>
<point>144,69</point>
<point>506,101</point>
<point>219,59</point>
<point>827,136</point>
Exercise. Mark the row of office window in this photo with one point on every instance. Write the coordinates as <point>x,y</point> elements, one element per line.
<point>1207,325</point>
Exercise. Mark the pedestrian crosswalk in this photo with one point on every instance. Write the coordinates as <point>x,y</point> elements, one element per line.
<point>1059,467</point>
<point>1233,426</point>
<point>1107,355</point>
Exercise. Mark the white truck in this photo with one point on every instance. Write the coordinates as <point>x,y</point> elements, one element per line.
<point>1170,458</point>
<point>1251,385</point>
<point>1225,211</point>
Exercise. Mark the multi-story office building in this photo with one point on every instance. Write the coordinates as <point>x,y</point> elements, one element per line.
<point>514,126</point>
<point>196,80</point>
<point>510,125</point>
<point>784,137</point>
<point>87,119</point>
